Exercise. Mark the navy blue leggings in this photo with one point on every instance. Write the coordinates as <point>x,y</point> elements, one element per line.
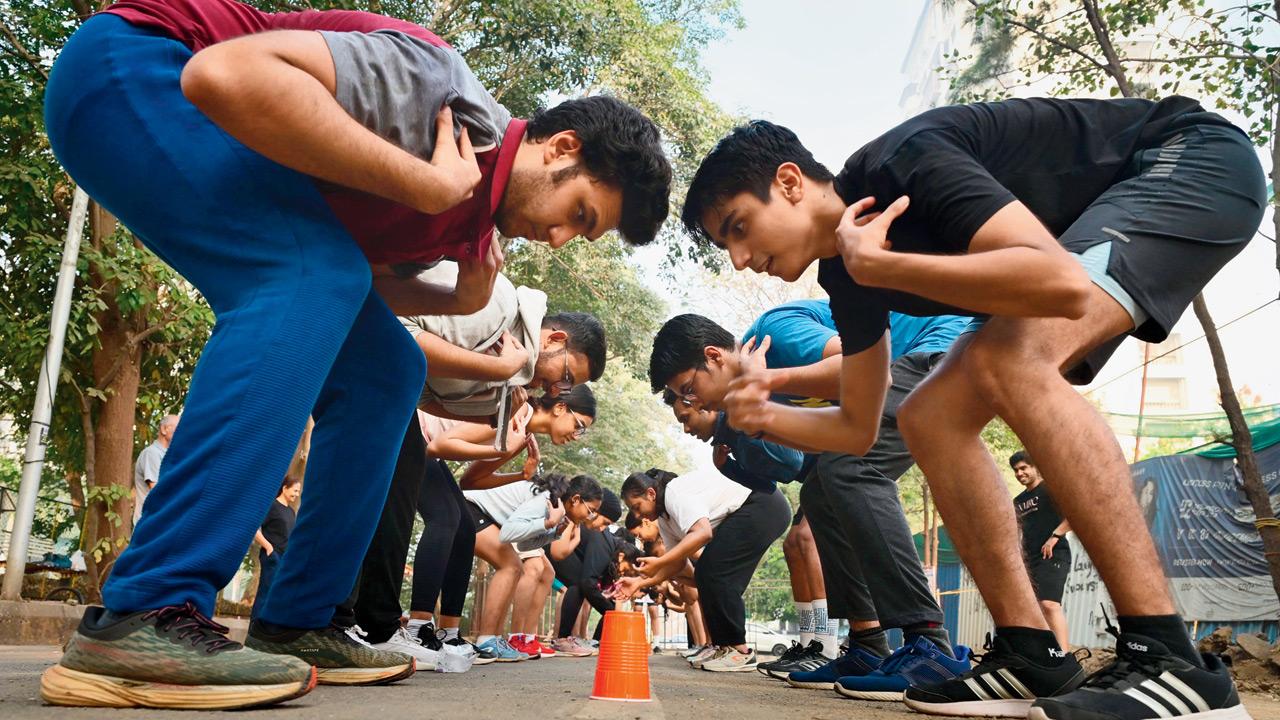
<point>299,332</point>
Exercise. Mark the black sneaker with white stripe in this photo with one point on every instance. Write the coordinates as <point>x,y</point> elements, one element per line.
<point>808,660</point>
<point>1145,682</point>
<point>1002,684</point>
<point>791,653</point>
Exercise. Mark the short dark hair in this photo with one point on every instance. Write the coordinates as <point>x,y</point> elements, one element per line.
<point>745,160</point>
<point>678,346</point>
<point>562,488</point>
<point>622,148</point>
<point>633,521</point>
<point>288,482</point>
<point>1020,457</point>
<point>586,336</point>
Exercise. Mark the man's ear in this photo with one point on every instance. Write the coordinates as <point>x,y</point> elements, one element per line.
<point>564,145</point>
<point>713,354</point>
<point>554,338</point>
<point>789,182</point>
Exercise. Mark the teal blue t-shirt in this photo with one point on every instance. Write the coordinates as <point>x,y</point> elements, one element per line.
<point>801,329</point>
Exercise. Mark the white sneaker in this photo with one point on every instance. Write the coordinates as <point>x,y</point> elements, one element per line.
<point>686,654</point>
<point>709,653</point>
<point>731,661</point>
<point>355,632</point>
<point>406,643</point>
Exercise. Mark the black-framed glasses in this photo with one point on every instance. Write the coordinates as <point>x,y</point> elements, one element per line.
<point>567,382</point>
<point>686,395</point>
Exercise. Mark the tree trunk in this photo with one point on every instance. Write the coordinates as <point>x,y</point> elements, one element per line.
<point>109,416</point>
<point>1242,441</point>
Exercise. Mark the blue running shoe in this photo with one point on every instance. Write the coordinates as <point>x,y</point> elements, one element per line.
<point>920,663</point>
<point>855,661</point>
<point>501,650</point>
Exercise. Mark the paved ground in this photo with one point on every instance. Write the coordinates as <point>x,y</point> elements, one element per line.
<point>553,688</point>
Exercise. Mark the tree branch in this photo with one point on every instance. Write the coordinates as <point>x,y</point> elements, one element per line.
<point>20,51</point>
<point>1012,20</point>
<point>1103,36</point>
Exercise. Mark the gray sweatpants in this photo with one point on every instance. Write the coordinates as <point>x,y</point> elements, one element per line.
<point>868,557</point>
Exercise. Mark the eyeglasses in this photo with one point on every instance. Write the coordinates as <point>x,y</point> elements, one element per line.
<point>686,395</point>
<point>567,382</point>
<point>579,427</point>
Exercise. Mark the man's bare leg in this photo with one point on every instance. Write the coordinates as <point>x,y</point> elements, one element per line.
<point>941,422</point>
<point>1057,619</point>
<point>1014,360</point>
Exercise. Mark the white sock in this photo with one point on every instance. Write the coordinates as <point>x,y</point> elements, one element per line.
<point>804,611</point>
<point>483,639</point>
<point>415,624</point>
<point>825,630</point>
<point>450,633</point>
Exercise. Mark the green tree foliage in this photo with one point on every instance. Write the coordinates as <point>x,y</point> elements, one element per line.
<point>136,328</point>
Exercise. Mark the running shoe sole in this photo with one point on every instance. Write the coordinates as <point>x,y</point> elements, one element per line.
<point>739,668</point>
<point>1011,708</point>
<point>63,686</point>
<point>365,676</point>
<point>1238,712</point>
<point>869,695</point>
<point>811,685</point>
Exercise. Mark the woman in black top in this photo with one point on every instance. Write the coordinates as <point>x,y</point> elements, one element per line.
<point>273,536</point>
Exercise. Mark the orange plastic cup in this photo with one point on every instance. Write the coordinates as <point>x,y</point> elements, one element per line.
<point>622,668</point>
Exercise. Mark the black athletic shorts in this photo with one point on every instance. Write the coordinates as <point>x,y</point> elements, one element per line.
<point>1173,218</point>
<point>481,518</point>
<point>1049,577</point>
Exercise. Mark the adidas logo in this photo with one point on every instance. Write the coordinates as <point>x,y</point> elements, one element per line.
<point>1136,646</point>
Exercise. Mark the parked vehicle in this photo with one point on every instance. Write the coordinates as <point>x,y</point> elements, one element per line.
<point>767,640</point>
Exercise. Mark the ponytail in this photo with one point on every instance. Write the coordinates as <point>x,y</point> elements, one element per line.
<point>637,483</point>
<point>580,400</point>
<point>561,488</point>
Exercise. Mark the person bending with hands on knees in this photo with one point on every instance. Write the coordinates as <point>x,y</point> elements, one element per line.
<point>529,514</point>
<point>299,169</point>
<point>730,526</point>
<point>1066,225</point>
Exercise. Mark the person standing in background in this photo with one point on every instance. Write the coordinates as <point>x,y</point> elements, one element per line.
<point>147,469</point>
<point>1044,543</point>
<point>273,536</point>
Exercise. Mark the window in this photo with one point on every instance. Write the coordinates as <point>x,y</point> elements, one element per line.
<point>1166,393</point>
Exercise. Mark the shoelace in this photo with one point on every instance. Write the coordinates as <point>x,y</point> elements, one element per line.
<point>895,659</point>
<point>792,652</point>
<point>1127,662</point>
<point>991,659</point>
<point>354,634</point>
<point>407,636</point>
<point>192,625</point>
<point>504,645</point>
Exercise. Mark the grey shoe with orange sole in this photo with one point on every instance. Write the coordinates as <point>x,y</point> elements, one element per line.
<point>172,657</point>
<point>340,657</point>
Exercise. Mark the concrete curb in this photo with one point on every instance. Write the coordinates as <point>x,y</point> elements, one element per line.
<point>39,622</point>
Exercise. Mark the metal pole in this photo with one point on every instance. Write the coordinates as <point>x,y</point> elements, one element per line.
<point>46,383</point>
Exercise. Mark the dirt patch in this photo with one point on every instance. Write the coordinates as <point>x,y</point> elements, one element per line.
<point>1255,670</point>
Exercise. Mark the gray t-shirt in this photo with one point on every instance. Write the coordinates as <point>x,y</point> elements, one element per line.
<point>395,84</point>
<point>145,473</point>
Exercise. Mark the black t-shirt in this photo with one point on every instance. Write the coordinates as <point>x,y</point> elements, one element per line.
<point>1039,518</point>
<point>279,526</point>
<point>962,163</point>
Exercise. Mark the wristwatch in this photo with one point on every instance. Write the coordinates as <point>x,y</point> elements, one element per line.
<point>1060,537</point>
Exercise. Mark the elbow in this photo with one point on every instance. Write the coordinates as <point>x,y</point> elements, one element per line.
<point>1071,299</point>
<point>207,79</point>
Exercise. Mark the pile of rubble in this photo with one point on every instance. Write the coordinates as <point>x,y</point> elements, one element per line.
<point>1254,662</point>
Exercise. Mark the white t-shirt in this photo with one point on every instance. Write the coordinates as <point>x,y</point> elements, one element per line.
<point>696,495</point>
<point>502,501</point>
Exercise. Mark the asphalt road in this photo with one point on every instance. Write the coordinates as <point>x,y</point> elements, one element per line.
<point>549,688</point>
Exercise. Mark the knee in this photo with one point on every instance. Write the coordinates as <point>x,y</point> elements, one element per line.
<point>1006,374</point>
<point>914,414</point>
